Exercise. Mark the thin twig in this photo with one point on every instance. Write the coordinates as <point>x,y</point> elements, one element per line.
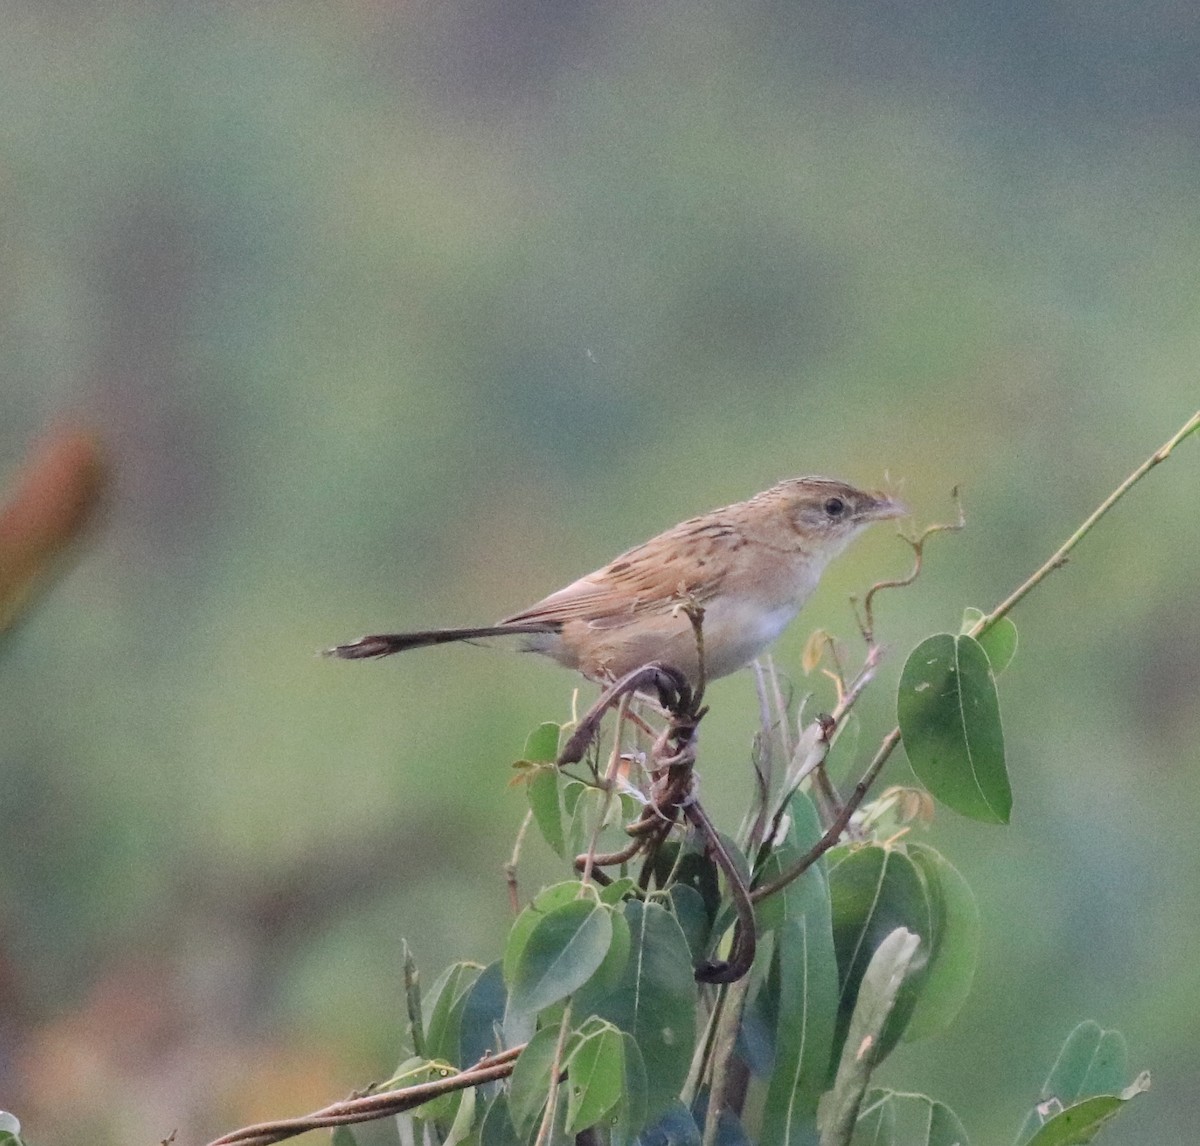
<point>781,707</point>
<point>830,729</point>
<point>1059,558</point>
<point>866,622</point>
<point>763,761</point>
<point>610,784</point>
<point>834,832</point>
<point>547,1127</point>
<point>510,868</point>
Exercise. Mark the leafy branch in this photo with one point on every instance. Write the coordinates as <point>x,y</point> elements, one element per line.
<point>596,984</point>
<point>978,629</point>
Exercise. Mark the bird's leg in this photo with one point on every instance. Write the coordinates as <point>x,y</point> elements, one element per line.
<point>695,614</point>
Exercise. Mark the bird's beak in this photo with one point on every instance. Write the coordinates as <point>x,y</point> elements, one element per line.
<point>886,507</point>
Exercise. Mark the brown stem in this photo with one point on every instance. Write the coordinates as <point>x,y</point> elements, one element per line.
<point>371,1106</point>
<point>745,941</point>
<point>609,859</point>
<point>511,868</point>
<point>834,832</point>
<point>610,783</point>
<point>830,801</point>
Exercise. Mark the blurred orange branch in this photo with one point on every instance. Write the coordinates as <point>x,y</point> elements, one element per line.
<point>56,493</point>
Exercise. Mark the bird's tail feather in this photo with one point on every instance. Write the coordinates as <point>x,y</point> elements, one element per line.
<point>384,644</point>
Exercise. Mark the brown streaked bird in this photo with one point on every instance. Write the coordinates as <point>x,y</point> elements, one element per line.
<point>750,566</point>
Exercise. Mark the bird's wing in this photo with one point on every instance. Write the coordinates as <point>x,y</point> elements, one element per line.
<point>674,567</point>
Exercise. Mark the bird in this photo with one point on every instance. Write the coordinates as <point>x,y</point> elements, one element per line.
<point>745,570</point>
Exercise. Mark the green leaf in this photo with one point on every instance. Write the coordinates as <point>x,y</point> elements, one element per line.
<point>949,718</point>
<point>542,788</point>
<point>654,1001</point>
<point>631,1114</point>
<point>944,1127</point>
<point>482,1013</point>
<point>740,863</point>
<point>496,1128</point>
<point>675,1127</point>
<point>443,1010</point>
<point>804,964</point>
<point>614,893</point>
<point>564,950</point>
<point>583,821</point>
<point>341,1136</point>
<point>876,1125</point>
<point>878,994</point>
<point>609,973</point>
<point>999,642</point>
<point>804,827</point>
<point>954,947</point>
<point>807,1018</point>
<point>464,1118</point>
<point>1092,1061</point>
<point>415,1026</point>
<point>593,815</point>
<point>572,789</point>
<point>687,905</point>
<point>811,889</point>
<point>595,1076</point>
<point>541,745</point>
<point>687,864</point>
<point>873,891</point>
<point>1083,1121</point>
<point>546,901</point>
<point>911,1119</point>
<point>529,1084</point>
<point>757,1034</point>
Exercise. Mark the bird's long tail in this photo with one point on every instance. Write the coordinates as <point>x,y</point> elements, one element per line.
<point>384,644</point>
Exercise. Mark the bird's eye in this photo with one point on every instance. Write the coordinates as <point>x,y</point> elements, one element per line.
<point>835,507</point>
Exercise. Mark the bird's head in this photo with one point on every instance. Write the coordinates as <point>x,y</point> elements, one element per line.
<point>828,514</point>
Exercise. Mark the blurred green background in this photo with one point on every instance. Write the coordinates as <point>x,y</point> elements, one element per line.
<point>396,315</point>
